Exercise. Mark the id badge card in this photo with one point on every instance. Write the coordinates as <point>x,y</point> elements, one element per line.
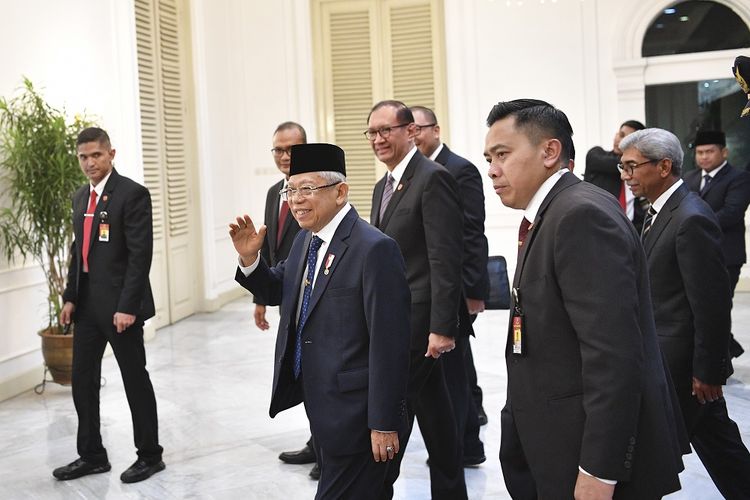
<point>517,330</point>
<point>103,226</point>
<point>103,232</point>
<point>518,335</point>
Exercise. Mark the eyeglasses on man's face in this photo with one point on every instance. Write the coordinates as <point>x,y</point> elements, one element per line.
<point>630,166</point>
<point>279,152</point>
<point>384,132</point>
<point>302,191</point>
<point>427,125</point>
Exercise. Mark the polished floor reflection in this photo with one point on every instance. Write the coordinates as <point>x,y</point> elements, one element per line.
<point>212,376</point>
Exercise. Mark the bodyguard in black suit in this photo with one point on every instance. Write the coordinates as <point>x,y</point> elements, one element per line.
<point>417,204</point>
<point>589,412</point>
<point>601,170</point>
<point>282,229</point>
<point>692,304</point>
<point>343,340</point>
<point>727,191</point>
<point>108,297</point>
<point>460,372</point>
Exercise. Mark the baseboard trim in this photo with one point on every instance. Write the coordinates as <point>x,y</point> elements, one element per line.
<point>22,382</point>
<point>213,305</point>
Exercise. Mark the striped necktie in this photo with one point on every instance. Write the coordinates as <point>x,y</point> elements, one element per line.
<point>647,222</point>
<point>387,194</point>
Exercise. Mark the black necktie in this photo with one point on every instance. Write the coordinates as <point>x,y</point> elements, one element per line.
<point>706,181</point>
<point>647,222</point>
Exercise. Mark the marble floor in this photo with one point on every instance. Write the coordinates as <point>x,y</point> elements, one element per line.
<point>212,376</point>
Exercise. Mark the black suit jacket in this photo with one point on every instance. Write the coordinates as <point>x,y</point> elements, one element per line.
<point>424,217</point>
<point>591,389</point>
<point>272,252</point>
<point>601,171</point>
<point>355,357</point>
<point>728,195</point>
<point>476,281</point>
<point>690,292</point>
<point>118,268</point>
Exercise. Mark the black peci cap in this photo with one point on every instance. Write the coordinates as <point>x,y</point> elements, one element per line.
<point>316,157</point>
<point>704,137</point>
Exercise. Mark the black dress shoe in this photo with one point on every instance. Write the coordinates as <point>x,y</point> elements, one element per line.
<point>304,456</point>
<point>481,416</point>
<point>315,472</point>
<point>141,470</point>
<point>80,468</point>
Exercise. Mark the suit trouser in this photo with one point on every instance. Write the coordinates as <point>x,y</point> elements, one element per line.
<point>356,476</point>
<point>734,277</point>
<point>718,443</point>
<point>465,412</point>
<point>429,401</point>
<point>93,329</point>
<point>516,471</point>
<point>471,373</point>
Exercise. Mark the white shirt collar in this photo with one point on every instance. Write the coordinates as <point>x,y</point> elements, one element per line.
<point>536,201</point>
<point>398,172</point>
<point>715,171</point>
<point>436,152</point>
<point>659,203</point>
<point>100,187</point>
<point>326,234</point>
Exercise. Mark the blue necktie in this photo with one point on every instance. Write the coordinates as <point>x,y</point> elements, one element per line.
<point>312,259</point>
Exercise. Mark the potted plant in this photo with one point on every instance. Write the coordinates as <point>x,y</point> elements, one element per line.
<point>38,174</point>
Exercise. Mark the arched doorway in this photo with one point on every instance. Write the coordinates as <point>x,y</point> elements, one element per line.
<point>685,107</point>
<point>673,69</point>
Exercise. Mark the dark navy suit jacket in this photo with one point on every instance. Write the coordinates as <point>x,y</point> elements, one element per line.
<point>728,195</point>
<point>691,294</point>
<point>476,280</point>
<point>591,389</point>
<point>355,356</point>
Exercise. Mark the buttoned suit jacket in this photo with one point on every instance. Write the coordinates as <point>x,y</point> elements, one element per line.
<point>690,293</point>
<point>424,217</point>
<point>355,351</point>
<point>591,388</point>
<point>118,268</point>
<point>273,250</point>
<point>728,195</point>
<point>601,171</point>
<point>476,281</point>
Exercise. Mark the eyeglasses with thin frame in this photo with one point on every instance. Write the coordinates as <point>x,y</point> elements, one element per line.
<point>303,191</point>
<point>383,131</point>
<point>428,125</point>
<point>280,152</point>
<point>628,169</point>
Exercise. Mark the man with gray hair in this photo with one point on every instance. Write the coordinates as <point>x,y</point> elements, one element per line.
<point>691,298</point>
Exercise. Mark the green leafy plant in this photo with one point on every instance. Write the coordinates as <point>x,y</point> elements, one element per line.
<point>39,173</point>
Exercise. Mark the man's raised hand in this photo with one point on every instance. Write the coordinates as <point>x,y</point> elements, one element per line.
<point>246,240</point>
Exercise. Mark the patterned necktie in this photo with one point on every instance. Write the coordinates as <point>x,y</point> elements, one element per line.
<point>387,193</point>
<point>523,231</point>
<point>88,222</point>
<point>706,181</point>
<point>283,212</point>
<point>312,259</point>
<point>647,222</point>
